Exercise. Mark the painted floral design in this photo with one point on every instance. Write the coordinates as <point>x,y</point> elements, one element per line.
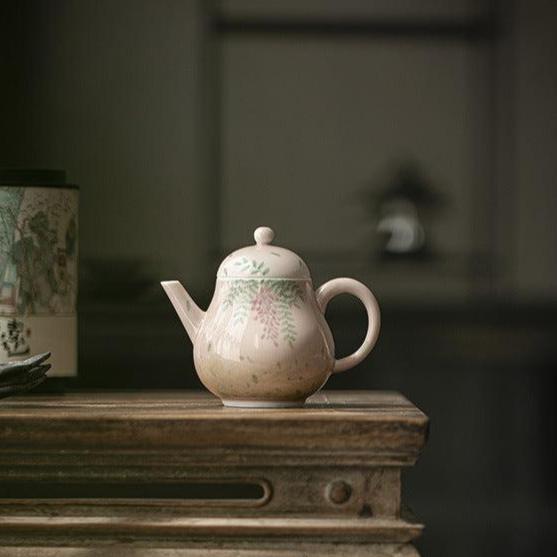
<point>270,301</point>
<point>265,310</point>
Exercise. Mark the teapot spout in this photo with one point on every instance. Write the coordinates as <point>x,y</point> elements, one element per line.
<point>188,311</point>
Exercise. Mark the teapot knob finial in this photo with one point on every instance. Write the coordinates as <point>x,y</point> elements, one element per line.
<point>263,235</point>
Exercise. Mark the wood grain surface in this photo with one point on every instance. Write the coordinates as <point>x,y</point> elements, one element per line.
<point>373,424</point>
<point>201,549</point>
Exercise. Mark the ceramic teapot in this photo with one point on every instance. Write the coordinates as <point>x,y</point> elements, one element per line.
<point>264,341</point>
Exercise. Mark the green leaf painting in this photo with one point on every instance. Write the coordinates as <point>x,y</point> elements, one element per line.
<point>269,301</point>
<point>252,267</point>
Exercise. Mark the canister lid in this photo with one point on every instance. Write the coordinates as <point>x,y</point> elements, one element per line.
<point>34,177</point>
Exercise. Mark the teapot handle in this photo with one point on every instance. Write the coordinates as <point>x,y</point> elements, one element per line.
<point>327,291</point>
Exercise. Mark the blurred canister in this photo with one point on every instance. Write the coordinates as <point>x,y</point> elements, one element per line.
<point>38,267</point>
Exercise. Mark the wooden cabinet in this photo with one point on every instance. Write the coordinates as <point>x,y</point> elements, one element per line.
<point>179,471</point>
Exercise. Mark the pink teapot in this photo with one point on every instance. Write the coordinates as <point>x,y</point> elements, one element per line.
<point>264,340</point>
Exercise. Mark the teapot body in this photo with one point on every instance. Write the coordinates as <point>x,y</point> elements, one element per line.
<point>264,342</point>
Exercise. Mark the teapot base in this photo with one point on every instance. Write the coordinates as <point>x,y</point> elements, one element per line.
<point>263,403</point>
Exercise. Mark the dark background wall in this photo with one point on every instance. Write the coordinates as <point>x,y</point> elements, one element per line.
<point>188,124</point>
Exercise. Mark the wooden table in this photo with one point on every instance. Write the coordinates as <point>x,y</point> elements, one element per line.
<point>176,474</point>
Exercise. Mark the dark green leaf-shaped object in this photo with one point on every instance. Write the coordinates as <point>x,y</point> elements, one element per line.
<point>18,377</point>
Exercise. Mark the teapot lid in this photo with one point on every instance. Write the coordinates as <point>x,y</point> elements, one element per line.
<point>263,260</point>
